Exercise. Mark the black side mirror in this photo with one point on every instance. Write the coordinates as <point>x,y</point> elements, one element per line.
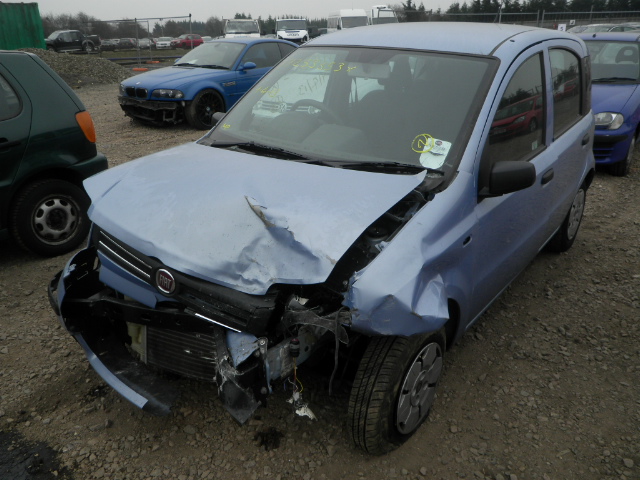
<point>509,176</point>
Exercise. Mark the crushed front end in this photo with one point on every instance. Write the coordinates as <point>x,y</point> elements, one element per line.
<point>169,321</point>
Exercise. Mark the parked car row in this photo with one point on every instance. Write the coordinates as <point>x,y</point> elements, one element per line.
<point>604,27</point>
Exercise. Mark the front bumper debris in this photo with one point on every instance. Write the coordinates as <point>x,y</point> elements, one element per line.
<point>122,339</point>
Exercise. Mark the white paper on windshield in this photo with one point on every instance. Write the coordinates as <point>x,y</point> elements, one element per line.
<point>434,153</point>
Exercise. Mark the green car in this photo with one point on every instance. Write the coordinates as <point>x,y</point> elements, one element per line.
<point>47,148</point>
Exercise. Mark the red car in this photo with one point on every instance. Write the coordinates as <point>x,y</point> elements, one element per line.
<point>188,40</point>
<point>518,118</point>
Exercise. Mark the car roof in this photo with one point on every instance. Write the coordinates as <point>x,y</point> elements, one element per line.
<point>459,37</point>
<point>629,36</point>
<point>249,40</point>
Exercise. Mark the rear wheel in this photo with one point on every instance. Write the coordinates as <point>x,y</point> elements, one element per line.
<point>199,113</point>
<point>564,238</point>
<point>50,217</point>
<point>394,390</point>
<point>622,168</point>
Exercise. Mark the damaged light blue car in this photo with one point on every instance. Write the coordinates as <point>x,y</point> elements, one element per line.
<point>360,202</point>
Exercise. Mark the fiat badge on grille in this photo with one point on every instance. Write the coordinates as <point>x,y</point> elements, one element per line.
<point>165,281</point>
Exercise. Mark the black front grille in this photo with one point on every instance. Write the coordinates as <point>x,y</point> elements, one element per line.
<point>602,150</point>
<point>188,354</point>
<point>210,302</point>
<point>136,92</point>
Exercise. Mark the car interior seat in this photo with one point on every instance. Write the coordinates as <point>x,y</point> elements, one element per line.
<point>628,55</point>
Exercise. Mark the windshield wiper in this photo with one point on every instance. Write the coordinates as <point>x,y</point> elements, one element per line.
<point>257,147</point>
<point>396,166</point>
<point>184,65</point>
<point>614,79</point>
<point>221,67</point>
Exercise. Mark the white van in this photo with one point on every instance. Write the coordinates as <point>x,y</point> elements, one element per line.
<point>241,28</point>
<point>347,18</point>
<point>381,14</point>
<point>292,29</point>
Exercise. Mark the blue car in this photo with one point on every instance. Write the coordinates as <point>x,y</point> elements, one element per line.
<point>208,79</point>
<point>352,206</point>
<point>615,63</point>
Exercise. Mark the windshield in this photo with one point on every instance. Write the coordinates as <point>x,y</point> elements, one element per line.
<point>350,22</point>
<point>219,54</point>
<point>383,16</point>
<point>291,24</point>
<point>363,105</point>
<point>613,61</point>
<point>241,27</point>
<point>164,39</point>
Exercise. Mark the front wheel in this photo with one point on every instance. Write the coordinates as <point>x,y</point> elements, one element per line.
<point>199,113</point>
<point>394,390</point>
<point>50,217</point>
<point>564,238</point>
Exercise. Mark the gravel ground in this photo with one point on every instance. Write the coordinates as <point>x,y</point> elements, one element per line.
<point>546,386</point>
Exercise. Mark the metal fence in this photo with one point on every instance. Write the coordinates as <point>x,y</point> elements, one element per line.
<point>540,18</point>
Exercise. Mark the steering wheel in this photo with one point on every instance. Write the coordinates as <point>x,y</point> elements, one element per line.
<point>320,106</point>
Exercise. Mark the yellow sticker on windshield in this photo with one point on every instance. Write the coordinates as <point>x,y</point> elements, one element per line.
<point>422,143</point>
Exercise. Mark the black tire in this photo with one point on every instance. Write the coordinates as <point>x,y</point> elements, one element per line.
<point>394,390</point>
<point>564,238</point>
<point>623,167</point>
<point>199,113</point>
<point>88,47</point>
<point>50,217</point>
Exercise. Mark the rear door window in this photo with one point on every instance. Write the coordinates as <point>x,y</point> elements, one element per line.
<point>567,90</point>
<point>9,101</point>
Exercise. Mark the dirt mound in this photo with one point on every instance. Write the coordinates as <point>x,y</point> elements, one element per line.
<point>82,69</point>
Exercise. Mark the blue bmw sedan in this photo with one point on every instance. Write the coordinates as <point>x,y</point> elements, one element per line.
<point>615,75</point>
<point>208,79</point>
<point>356,204</point>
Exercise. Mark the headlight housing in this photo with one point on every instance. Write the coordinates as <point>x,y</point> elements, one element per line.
<point>167,93</point>
<point>121,89</point>
<point>609,120</point>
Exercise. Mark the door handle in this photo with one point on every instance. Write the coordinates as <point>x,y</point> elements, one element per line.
<point>585,139</point>
<point>5,144</point>
<point>547,176</point>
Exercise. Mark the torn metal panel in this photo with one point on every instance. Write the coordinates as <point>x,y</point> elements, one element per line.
<point>293,234</point>
<point>386,300</point>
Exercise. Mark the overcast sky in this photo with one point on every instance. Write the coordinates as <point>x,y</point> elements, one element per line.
<point>201,10</point>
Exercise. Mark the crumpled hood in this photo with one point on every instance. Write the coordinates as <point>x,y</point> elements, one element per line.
<point>241,220</point>
<point>172,77</point>
<point>611,97</point>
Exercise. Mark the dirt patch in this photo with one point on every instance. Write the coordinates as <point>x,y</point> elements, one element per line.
<point>545,386</point>
<point>22,460</point>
